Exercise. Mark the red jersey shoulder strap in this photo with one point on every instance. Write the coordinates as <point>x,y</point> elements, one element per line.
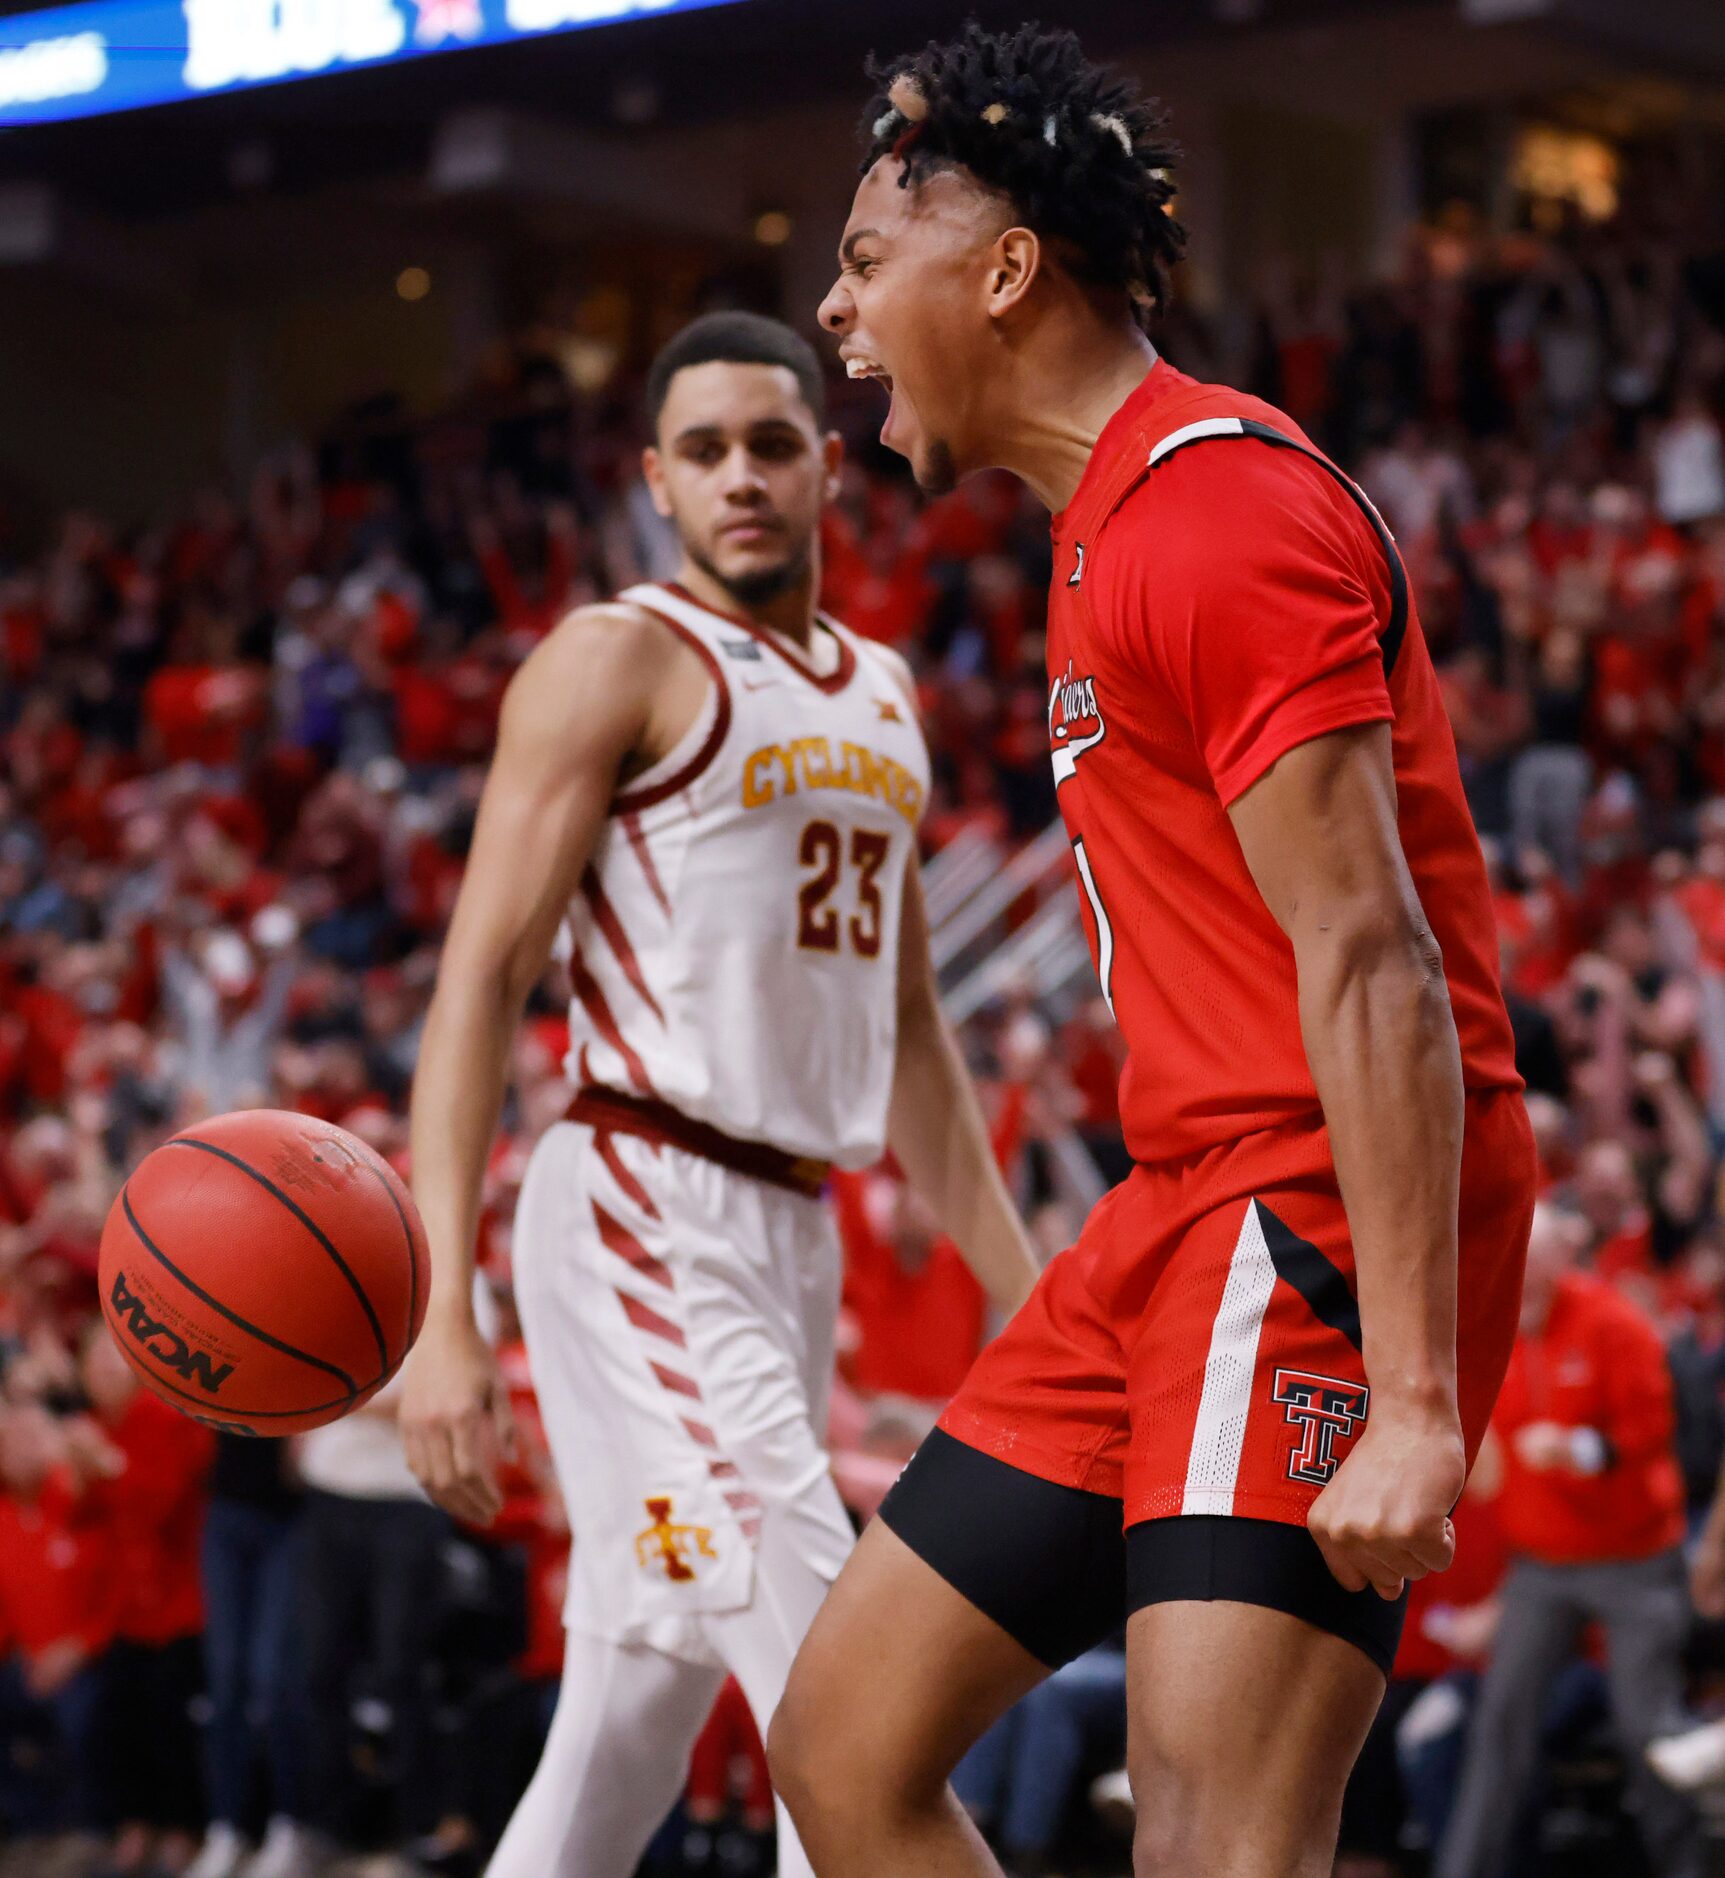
<point>1208,412</point>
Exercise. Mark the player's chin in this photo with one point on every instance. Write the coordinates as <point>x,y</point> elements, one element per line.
<point>935,467</point>
<point>743,557</point>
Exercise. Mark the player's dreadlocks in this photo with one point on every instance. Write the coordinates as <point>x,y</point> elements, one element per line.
<point>1082,157</point>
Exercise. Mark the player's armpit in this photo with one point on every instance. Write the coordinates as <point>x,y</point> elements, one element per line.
<point>589,699</point>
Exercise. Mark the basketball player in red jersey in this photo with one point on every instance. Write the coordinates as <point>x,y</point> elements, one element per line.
<point>1270,1357</point>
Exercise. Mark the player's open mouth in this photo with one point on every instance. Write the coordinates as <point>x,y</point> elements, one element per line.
<point>858,367</point>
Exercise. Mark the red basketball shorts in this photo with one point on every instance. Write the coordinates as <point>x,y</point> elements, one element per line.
<point>1198,1350</point>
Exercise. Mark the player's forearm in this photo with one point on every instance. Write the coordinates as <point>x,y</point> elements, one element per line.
<point>937,1132</point>
<point>458,1087</point>
<point>1381,1042</point>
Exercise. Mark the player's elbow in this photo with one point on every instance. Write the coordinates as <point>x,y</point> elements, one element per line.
<point>1384,942</point>
<point>488,986</point>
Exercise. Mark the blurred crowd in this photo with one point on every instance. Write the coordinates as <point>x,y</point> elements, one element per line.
<point>243,747</point>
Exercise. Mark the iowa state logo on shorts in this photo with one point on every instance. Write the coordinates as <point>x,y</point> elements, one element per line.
<point>670,1549</point>
<point>1325,1411</point>
<point>1074,721</point>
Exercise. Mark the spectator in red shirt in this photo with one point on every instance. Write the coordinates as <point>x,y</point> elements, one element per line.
<point>56,1623</point>
<point>918,1312</point>
<point>153,1509</point>
<point>1592,1511</point>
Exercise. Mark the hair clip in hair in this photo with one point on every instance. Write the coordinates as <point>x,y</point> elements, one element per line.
<point>906,97</point>
<point>1050,130</point>
<point>1116,127</point>
<point>995,113</point>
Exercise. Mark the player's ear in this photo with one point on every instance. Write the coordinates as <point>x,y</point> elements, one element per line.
<point>1013,266</point>
<point>832,462</point>
<point>653,473</point>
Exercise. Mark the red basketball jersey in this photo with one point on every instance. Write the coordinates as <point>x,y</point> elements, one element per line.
<point>1222,593</point>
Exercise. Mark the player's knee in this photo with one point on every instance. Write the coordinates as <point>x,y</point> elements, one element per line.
<point>1171,1837</point>
<point>837,1771</point>
<point>1190,1823</point>
<point>805,1769</point>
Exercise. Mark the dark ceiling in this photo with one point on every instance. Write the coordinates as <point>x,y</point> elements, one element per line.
<point>719,63</point>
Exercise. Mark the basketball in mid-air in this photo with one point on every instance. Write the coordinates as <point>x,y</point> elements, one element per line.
<point>264,1272</point>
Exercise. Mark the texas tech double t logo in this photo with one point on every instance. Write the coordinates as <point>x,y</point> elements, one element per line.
<point>1324,1411</point>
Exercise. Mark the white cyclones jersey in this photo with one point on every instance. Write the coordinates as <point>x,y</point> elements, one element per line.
<point>733,950</point>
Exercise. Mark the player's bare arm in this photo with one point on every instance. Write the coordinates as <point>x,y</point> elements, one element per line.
<point>606,694</point>
<point>1319,835</point>
<point>936,1128</point>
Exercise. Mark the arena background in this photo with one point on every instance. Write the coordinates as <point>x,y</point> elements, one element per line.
<point>318,404</point>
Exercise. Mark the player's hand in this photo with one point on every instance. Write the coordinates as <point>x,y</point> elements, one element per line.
<point>1384,1517</point>
<point>455,1420</point>
<point>1544,1448</point>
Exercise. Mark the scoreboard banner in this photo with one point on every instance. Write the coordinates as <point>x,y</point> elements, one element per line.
<point>98,56</point>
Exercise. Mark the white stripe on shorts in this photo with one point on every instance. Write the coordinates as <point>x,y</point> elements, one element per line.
<point>1214,1464</point>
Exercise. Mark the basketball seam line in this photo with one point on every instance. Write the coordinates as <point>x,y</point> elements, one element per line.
<point>233,1317</point>
<point>311,1226</point>
<point>221,1408</point>
<point>412,1262</point>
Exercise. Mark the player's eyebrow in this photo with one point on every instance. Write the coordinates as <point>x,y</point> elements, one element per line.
<point>848,247</point>
<point>715,433</point>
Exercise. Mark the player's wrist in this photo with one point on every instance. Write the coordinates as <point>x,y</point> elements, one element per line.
<point>450,1306</point>
<point>1427,1397</point>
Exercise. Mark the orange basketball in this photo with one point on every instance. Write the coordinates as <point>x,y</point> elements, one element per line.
<point>264,1272</point>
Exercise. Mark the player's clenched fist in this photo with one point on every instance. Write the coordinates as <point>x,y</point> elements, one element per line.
<point>455,1419</point>
<point>1384,1518</point>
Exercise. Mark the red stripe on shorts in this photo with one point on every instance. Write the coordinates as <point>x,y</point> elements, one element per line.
<point>644,1317</point>
<point>675,1381</point>
<point>619,1239</point>
<point>606,1143</point>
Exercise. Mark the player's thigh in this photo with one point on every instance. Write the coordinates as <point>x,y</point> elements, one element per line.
<point>793,1579</point>
<point>975,1581</point>
<point>898,1676</point>
<point>1243,1725</point>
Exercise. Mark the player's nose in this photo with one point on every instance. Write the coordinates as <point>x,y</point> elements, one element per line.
<point>744,477</point>
<point>836,311</point>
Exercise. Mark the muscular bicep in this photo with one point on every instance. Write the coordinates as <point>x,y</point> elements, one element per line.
<point>574,715</point>
<point>1319,834</point>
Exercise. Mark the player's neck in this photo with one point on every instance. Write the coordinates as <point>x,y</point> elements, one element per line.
<point>1062,397</point>
<point>790,614</point>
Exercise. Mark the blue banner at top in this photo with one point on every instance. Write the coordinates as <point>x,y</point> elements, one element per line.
<point>117,55</point>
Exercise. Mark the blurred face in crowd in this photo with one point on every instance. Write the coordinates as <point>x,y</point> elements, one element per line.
<point>742,469</point>
<point>108,1381</point>
<point>28,1449</point>
<point>1605,1184</point>
<point>1552,1248</point>
<point>919,280</point>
